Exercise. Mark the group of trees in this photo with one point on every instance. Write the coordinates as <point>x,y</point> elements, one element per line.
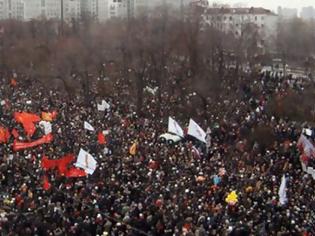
<point>175,55</point>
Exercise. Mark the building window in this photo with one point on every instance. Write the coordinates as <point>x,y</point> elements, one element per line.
<point>231,17</point>
<point>262,25</point>
<point>262,18</point>
<point>255,18</point>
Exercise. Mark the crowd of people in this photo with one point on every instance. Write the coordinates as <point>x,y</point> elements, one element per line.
<point>162,189</point>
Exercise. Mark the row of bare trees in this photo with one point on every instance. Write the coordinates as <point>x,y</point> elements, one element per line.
<point>175,55</point>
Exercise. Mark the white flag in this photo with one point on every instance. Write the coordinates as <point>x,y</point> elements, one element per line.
<point>88,126</point>
<point>174,128</point>
<point>103,106</point>
<point>283,191</point>
<point>45,126</point>
<point>86,161</point>
<point>196,131</point>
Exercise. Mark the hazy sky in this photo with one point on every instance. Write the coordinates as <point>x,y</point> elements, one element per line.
<point>270,4</point>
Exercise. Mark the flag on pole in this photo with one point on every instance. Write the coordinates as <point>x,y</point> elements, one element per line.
<point>86,161</point>
<point>196,131</point>
<point>88,126</point>
<point>103,106</point>
<point>174,128</point>
<point>283,191</point>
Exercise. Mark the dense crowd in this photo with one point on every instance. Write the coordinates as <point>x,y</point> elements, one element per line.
<point>163,189</point>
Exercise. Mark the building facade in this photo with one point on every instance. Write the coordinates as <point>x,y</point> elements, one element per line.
<point>287,13</point>
<point>308,13</point>
<point>235,20</point>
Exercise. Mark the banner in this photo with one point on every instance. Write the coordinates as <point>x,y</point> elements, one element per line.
<point>45,126</point>
<point>103,106</point>
<point>17,146</point>
<point>196,131</point>
<point>27,120</point>
<point>86,161</point>
<point>174,128</point>
<point>283,191</point>
<point>88,126</point>
<point>4,135</point>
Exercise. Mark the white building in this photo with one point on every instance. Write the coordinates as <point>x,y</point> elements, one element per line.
<point>235,20</point>
<point>287,13</point>
<point>89,8</point>
<point>71,9</point>
<point>14,9</point>
<point>2,10</point>
<point>117,8</point>
<point>308,13</point>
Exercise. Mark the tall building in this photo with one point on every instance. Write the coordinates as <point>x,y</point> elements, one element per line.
<point>287,13</point>
<point>308,13</point>
<point>89,8</point>
<point>2,10</point>
<point>14,9</point>
<point>102,10</point>
<point>71,9</point>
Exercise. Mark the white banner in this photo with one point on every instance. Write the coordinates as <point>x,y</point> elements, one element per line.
<point>45,126</point>
<point>86,161</point>
<point>174,128</point>
<point>88,126</point>
<point>103,106</point>
<point>283,191</point>
<point>196,131</point>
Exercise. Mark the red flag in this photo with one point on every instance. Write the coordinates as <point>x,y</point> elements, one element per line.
<point>101,138</point>
<point>27,120</point>
<point>4,135</point>
<point>15,133</point>
<point>47,164</point>
<point>17,146</point>
<point>63,164</point>
<point>46,184</point>
<point>75,172</point>
<point>13,82</point>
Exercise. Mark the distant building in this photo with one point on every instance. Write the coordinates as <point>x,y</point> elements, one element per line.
<point>235,20</point>
<point>14,9</point>
<point>308,13</point>
<point>287,13</point>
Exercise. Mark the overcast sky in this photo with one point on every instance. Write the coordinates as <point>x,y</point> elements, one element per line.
<point>270,4</point>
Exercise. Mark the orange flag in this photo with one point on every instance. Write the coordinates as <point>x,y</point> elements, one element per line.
<point>133,149</point>
<point>27,120</point>
<point>49,116</point>
<point>4,135</point>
